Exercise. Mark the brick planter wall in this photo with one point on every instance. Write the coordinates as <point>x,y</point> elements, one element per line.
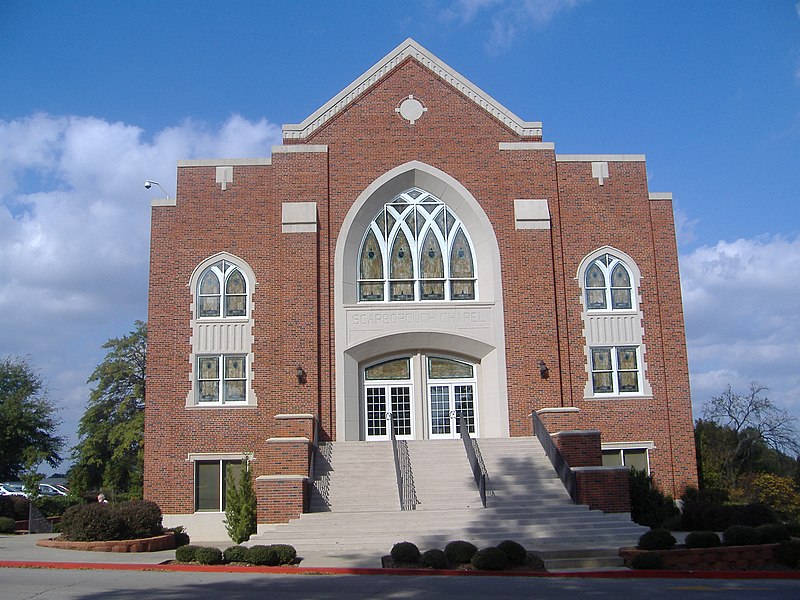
<point>724,558</point>
<point>580,448</point>
<point>153,544</point>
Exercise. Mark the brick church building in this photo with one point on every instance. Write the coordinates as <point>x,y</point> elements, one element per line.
<point>412,248</point>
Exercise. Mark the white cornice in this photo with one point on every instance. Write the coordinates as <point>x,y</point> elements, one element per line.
<point>600,158</point>
<point>410,48</point>
<point>224,162</point>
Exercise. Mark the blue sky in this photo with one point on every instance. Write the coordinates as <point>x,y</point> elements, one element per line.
<point>99,96</point>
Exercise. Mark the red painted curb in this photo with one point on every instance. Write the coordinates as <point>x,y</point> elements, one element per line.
<point>631,574</point>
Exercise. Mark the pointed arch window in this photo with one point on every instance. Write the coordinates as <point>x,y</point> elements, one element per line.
<point>608,284</point>
<point>222,291</point>
<point>416,249</point>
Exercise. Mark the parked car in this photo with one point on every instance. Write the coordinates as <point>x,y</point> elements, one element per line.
<point>12,489</point>
<point>48,489</point>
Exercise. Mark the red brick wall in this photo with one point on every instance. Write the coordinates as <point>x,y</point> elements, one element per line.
<point>579,448</point>
<point>280,500</point>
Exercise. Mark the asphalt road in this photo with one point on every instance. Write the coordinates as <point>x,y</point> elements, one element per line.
<point>58,584</point>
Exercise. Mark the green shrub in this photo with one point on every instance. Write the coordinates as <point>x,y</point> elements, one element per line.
<point>186,553</point>
<point>7,525</point>
<point>741,535</point>
<point>788,553</point>
<point>139,518</point>
<point>647,560</point>
<point>772,533</point>
<point>490,559</point>
<point>285,553</point>
<point>793,527</point>
<point>702,539</point>
<point>240,504</point>
<point>405,552</point>
<point>657,539</point>
<point>181,537</point>
<point>55,506</point>
<point>91,523</point>
<point>208,556</point>
<point>460,552</point>
<point>649,505</point>
<point>235,554</point>
<point>753,514</point>
<point>699,515</point>
<point>262,556</point>
<point>433,559</point>
<point>515,552</point>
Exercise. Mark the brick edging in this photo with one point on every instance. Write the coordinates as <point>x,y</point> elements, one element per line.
<point>152,544</point>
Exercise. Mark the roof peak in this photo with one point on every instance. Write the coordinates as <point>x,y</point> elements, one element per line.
<point>409,48</point>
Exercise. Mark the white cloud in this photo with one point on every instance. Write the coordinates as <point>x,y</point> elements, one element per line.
<point>741,304</point>
<point>74,232</point>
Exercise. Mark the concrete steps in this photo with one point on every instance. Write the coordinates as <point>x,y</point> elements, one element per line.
<point>356,510</point>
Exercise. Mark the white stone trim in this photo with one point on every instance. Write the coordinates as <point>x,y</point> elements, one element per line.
<point>196,456</point>
<point>410,48</point>
<point>563,409</point>
<point>527,146</point>
<point>660,195</point>
<point>224,162</point>
<point>282,478</point>
<point>294,416</point>
<point>531,214</point>
<point>295,148</point>
<point>163,202</point>
<point>600,158</point>
<point>645,445</point>
<point>279,440</point>
<point>299,217</point>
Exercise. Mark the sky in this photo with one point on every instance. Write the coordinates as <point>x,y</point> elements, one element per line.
<point>99,96</point>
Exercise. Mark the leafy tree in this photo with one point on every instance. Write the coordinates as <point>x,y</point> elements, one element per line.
<point>110,452</point>
<point>240,503</point>
<point>27,419</point>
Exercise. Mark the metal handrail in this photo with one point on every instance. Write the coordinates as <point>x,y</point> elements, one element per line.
<point>402,468</point>
<point>470,445</point>
<point>565,473</point>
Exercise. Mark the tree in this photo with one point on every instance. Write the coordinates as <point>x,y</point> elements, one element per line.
<point>110,452</point>
<point>27,419</point>
<point>240,503</point>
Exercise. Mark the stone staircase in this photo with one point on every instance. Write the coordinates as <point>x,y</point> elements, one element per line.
<point>355,507</point>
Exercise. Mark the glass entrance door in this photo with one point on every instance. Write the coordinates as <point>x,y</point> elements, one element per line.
<point>388,394</point>
<point>451,390</point>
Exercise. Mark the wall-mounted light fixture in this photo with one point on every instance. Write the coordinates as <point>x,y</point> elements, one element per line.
<point>148,183</point>
<point>301,374</point>
<point>544,372</point>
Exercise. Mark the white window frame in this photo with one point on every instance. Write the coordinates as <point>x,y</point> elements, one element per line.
<point>221,379</point>
<point>615,371</point>
<point>621,447</point>
<point>229,267</point>
<point>212,458</point>
<point>607,269</point>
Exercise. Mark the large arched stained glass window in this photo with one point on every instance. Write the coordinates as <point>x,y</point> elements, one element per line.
<point>416,249</point>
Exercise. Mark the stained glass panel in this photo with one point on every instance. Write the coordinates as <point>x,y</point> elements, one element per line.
<point>371,258</point>
<point>398,369</point>
<point>602,383</point>
<point>462,290</point>
<point>401,266</point>
<point>370,292</point>
<point>626,358</point>
<point>446,368</point>
<point>235,283</point>
<point>621,299</point>
<point>209,284</point>
<point>461,263</point>
<point>235,306</point>
<point>601,359</point>
<point>596,299</point>
<point>209,306</point>
<point>620,277</point>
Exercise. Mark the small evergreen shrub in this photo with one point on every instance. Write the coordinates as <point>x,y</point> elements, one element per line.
<point>490,559</point>
<point>772,533</point>
<point>208,556</point>
<point>460,552</point>
<point>405,552</point>
<point>235,554</point>
<point>261,555</point>
<point>788,553</point>
<point>515,552</point>
<point>433,559</point>
<point>181,537</point>
<point>657,539</point>
<point>703,539</point>
<point>139,518</point>
<point>7,525</point>
<point>186,553</point>
<point>741,535</point>
<point>647,560</point>
<point>649,505</point>
<point>285,553</point>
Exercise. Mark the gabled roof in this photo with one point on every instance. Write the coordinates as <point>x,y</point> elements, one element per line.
<point>410,48</point>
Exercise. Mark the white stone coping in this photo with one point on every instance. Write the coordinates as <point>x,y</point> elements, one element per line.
<point>623,468</point>
<point>660,195</point>
<point>648,445</point>
<point>294,148</point>
<point>410,48</point>
<point>195,456</point>
<point>577,432</point>
<point>600,157</point>
<point>288,416</point>
<point>557,409</point>
<point>279,440</point>
<point>527,146</point>
<point>282,478</point>
<point>224,162</point>
<point>164,202</point>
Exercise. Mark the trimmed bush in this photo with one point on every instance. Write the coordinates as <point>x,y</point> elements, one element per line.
<point>657,539</point>
<point>703,539</point>
<point>405,552</point>
<point>55,506</point>
<point>460,552</point>
<point>140,518</point>
<point>7,525</point>
<point>647,560</point>
<point>91,523</point>
<point>235,554</point>
<point>741,535</point>
<point>772,533</point>
<point>285,553</point>
<point>490,559</point>
<point>186,553</point>
<point>208,556</point>
<point>433,559</point>
<point>263,556</point>
<point>515,552</point>
<point>788,553</point>
<point>181,537</point>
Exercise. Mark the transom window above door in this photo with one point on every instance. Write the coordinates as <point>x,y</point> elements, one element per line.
<point>416,249</point>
